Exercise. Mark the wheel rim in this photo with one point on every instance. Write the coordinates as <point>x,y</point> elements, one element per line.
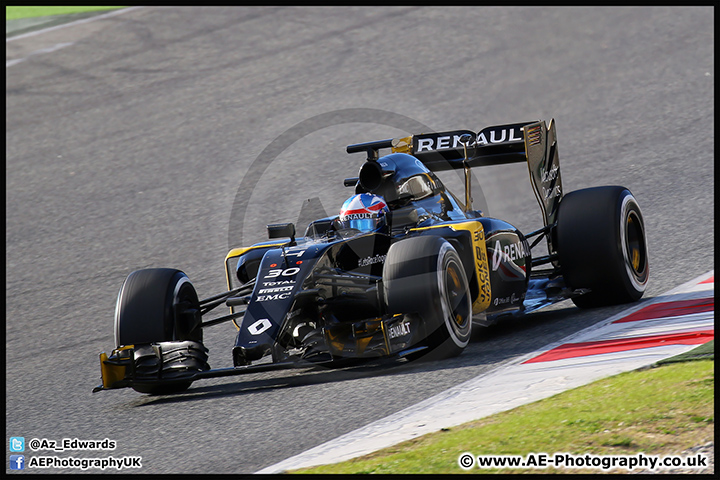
<point>455,294</point>
<point>185,306</point>
<point>634,247</point>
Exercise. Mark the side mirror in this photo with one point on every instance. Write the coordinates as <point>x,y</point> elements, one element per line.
<point>282,230</point>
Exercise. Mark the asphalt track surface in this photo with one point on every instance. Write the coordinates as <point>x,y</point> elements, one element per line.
<point>128,138</point>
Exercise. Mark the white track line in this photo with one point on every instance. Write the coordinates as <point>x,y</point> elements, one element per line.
<point>510,386</point>
<point>71,24</point>
<point>10,63</point>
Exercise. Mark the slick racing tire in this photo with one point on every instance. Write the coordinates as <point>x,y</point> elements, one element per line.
<point>154,306</point>
<point>602,246</point>
<point>424,275</point>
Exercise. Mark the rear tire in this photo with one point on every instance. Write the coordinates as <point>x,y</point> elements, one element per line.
<point>425,275</point>
<point>159,306</point>
<point>602,246</point>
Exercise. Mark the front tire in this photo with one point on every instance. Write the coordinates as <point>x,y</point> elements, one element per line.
<point>602,246</point>
<point>158,312</point>
<point>425,275</point>
<point>157,305</point>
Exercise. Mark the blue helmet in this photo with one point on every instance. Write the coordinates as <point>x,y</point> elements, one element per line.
<point>364,212</point>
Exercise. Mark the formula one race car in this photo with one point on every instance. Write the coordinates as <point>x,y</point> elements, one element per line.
<point>406,269</point>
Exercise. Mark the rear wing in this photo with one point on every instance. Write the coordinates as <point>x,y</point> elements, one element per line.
<point>531,142</point>
<point>445,151</point>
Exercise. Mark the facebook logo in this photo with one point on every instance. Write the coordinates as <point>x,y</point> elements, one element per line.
<point>17,462</point>
<point>17,444</point>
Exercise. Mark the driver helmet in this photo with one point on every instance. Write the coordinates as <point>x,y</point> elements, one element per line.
<point>364,212</point>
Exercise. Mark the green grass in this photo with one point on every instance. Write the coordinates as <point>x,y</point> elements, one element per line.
<point>656,411</point>
<point>13,13</point>
<point>703,352</point>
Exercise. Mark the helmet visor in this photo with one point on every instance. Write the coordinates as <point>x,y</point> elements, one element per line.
<point>363,224</point>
